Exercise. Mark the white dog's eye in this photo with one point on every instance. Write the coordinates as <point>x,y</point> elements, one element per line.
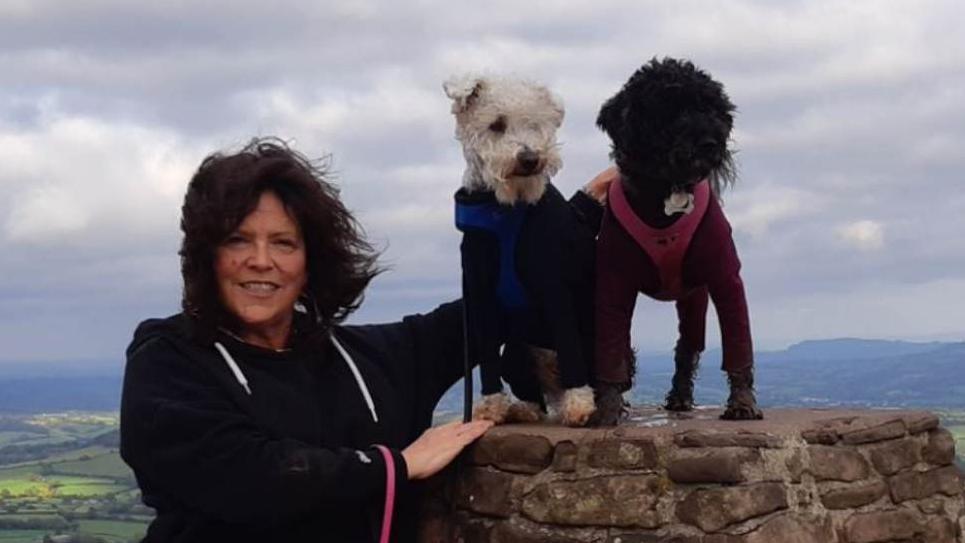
<point>499,125</point>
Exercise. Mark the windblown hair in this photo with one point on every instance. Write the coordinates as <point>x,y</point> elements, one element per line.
<point>340,263</point>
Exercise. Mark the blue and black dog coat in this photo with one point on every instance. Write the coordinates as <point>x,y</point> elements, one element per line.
<point>528,281</point>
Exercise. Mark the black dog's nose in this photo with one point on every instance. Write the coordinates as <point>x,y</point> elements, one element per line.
<point>527,160</point>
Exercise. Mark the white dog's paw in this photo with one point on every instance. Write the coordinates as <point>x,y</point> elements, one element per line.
<point>524,412</point>
<point>492,407</point>
<point>577,406</point>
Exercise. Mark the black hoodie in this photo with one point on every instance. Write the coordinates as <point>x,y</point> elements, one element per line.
<point>294,459</point>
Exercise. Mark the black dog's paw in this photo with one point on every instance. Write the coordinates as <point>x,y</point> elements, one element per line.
<point>742,412</point>
<point>679,403</point>
<point>742,403</point>
<point>610,406</point>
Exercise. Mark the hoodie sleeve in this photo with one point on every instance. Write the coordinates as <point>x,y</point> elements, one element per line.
<point>423,355</point>
<point>187,440</point>
<point>588,211</point>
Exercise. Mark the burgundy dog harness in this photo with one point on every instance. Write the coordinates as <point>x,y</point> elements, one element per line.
<point>665,246</point>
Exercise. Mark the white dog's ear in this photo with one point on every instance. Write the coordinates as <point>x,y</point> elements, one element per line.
<point>463,91</point>
<point>557,105</point>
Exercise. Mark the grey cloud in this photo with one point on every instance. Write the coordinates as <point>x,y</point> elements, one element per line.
<point>856,107</point>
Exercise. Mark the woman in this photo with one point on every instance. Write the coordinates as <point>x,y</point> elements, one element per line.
<point>252,415</point>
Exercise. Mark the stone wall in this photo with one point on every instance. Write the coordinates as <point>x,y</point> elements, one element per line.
<point>799,476</point>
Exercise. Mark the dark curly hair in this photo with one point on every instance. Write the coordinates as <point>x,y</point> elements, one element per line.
<point>669,125</point>
<point>340,263</point>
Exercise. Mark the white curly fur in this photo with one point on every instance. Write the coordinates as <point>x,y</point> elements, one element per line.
<point>501,408</point>
<point>531,115</point>
<point>492,407</point>
<point>577,406</point>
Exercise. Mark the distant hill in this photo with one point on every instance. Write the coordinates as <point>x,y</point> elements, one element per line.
<point>55,394</point>
<point>846,372</point>
<point>834,372</point>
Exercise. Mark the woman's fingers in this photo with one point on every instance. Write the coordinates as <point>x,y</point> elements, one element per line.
<point>599,185</point>
<point>438,446</point>
<point>473,430</point>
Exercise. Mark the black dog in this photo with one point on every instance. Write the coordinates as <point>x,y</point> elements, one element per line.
<point>665,235</point>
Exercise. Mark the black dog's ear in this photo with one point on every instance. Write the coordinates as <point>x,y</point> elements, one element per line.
<point>463,90</point>
<point>612,116</point>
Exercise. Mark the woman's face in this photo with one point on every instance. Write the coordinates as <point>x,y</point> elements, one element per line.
<point>260,270</point>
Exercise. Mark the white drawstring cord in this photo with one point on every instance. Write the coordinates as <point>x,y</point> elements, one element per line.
<point>358,376</point>
<point>233,365</point>
<point>240,377</point>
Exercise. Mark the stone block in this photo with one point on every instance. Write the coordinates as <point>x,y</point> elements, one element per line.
<point>467,529</point>
<point>524,532</point>
<point>837,464</point>
<point>940,449</point>
<point>920,422</point>
<point>820,436</point>
<point>435,529</point>
<point>618,500</point>
<point>709,465</point>
<point>519,453</point>
<point>565,456</point>
<point>791,528</point>
<point>853,496</point>
<point>718,438</point>
<point>916,485</point>
<point>893,456</point>
<point>619,454</point>
<point>940,530</point>
<point>880,526</point>
<point>485,491</point>
<point>646,538</point>
<point>715,538</point>
<point>932,506</point>
<point>888,430</point>
<point>715,508</point>
<point>796,465</point>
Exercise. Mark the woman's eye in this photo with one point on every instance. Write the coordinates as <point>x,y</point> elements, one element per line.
<point>498,126</point>
<point>234,240</point>
<point>286,244</point>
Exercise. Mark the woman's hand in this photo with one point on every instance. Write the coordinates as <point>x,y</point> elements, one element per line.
<point>438,446</point>
<point>598,187</point>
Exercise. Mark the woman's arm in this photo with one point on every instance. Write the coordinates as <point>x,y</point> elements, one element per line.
<point>422,355</point>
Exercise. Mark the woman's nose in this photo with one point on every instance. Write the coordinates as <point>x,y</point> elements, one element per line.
<point>260,257</point>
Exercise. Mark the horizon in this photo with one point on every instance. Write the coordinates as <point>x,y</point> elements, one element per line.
<point>849,131</point>
<point>96,367</point>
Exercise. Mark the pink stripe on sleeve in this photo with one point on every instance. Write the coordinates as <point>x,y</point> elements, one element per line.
<point>389,493</point>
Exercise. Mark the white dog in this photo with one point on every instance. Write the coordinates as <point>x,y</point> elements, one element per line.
<point>527,253</point>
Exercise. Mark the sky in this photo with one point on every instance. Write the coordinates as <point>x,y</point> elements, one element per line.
<point>848,213</point>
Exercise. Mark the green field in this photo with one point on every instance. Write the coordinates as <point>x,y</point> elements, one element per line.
<point>22,536</point>
<point>24,482</point>
<point>113,530</point>
<point>84,486</point>
<point>105,464</point>
<point>63,474</point>
<point>21,487</point>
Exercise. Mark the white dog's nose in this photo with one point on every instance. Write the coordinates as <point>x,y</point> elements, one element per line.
<point>527,161</point>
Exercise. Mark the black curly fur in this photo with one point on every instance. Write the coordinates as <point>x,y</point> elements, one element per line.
<point>669,126</point>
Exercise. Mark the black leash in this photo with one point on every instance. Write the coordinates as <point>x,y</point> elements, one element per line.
<point>466,365</point>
